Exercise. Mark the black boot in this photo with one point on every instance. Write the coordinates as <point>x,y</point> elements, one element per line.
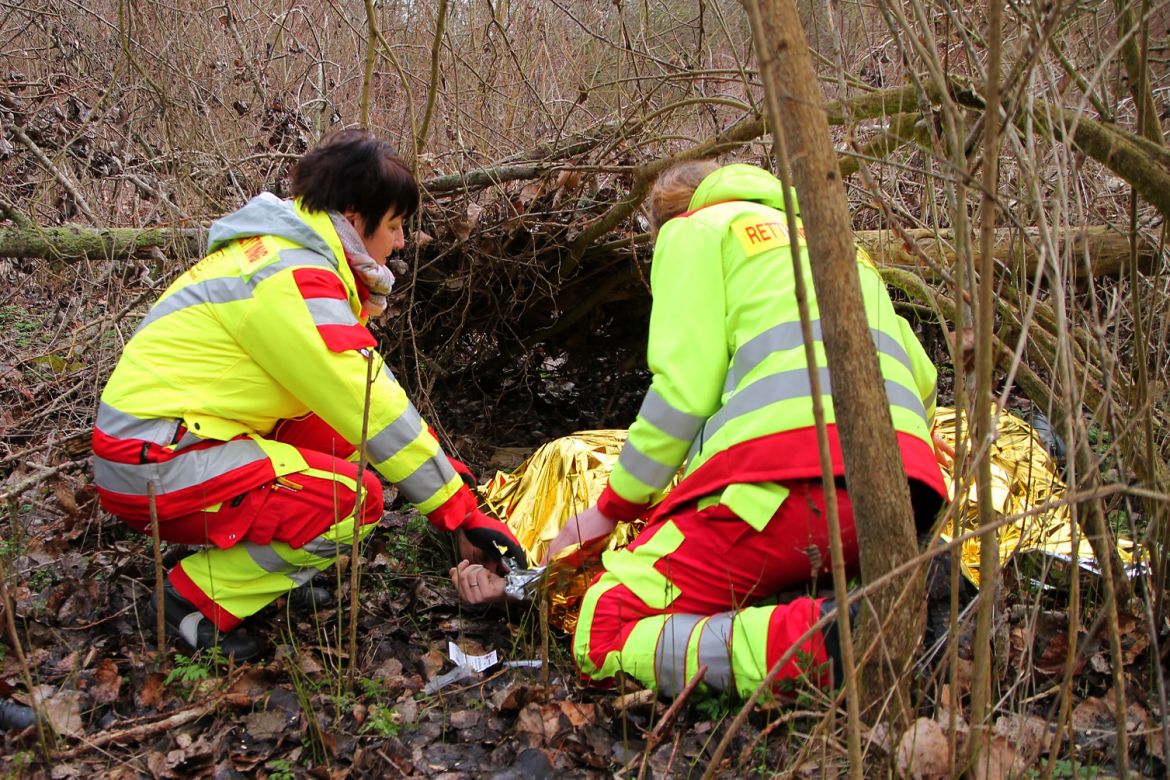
<point>15,717</point>
<point>938,598</point>
<point>832,636</point>
<point>307,597</point>
<point>184,621</point>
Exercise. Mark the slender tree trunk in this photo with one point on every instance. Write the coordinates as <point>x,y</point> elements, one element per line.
<point>983,426</point>
<point>873,466</point>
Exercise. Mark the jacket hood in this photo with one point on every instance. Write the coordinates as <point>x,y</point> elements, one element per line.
<point>266,215</point>
<point>740,182</point>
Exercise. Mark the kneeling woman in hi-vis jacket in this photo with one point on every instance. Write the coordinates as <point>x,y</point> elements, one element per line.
<point>730,398</point>
<point>235,408</point>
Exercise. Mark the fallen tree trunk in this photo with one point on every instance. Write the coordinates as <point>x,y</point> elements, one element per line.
<point>78,242</point>
<point>1099,249</point>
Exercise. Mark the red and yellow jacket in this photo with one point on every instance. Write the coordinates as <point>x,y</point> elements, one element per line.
<point>266,327</point>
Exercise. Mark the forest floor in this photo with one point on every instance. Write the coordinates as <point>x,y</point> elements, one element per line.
<point>78,581</point>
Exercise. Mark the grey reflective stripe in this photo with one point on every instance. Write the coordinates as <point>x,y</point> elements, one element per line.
<point>302,576</point>
<point>788,335</point>
<point>666,418</point>
<point>670,657</point>
<point>389,374</point>
<point>795,384</point>
<point>754,351</point>
<point>904,398</point>
<point>222,290</point>
<point>291,258</point>
<point>427,480</point>
<point>185,471</point>
<point>120,425</point>
<point>395,437</point>
<point>932,398</point>
<point>324,547</point>
<point>715,651</point>
<point>644,468</point>
<point>331,311</point>
<point>187,440</point>
<point>696,445</point>
<point>189,627</point>
<point>232,288</point>
<point>888,345</point>
<point>266,215</point>
<point>267,559</point>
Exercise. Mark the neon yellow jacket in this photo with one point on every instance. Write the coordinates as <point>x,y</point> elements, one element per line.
<point>730,395</point>
<point>265,327</point>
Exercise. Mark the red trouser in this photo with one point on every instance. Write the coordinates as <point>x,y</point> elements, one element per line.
<point>273,535</point>
<point>686,592</point>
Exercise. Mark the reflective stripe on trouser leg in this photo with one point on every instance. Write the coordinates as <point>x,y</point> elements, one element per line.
<point>688,642</point>
<point>664,652</point>
<point>242,580</point>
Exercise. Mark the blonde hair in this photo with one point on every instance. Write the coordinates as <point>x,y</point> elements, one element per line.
<point>672,192</point>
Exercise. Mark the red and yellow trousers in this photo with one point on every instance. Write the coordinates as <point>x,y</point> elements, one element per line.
<point>273,533</point>
<point>692,590</point>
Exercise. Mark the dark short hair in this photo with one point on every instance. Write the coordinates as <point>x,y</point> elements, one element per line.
<point>352,169</point>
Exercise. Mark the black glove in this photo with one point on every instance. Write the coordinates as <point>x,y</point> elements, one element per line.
<point>494,538</point>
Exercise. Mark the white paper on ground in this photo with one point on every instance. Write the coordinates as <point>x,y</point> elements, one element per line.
<point>476,663</point>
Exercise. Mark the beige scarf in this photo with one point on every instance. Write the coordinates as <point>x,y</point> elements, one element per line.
<point>378,279</point>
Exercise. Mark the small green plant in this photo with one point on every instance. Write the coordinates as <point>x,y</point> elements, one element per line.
<point>1064,769</point>
<point>41,579</point>
<point>759,760</point>
<point>19,322</point>
<point>371,688</point>
<point>187,671</point>
<point>279,769</point>
<point>405,545</point>
<point>716,706</point>
<point>19,764</point>
<point>190,671</point>
<point>383,721</point>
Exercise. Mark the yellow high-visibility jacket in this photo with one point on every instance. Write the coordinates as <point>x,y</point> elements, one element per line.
<point>731,396</point>
<point>266,327</point>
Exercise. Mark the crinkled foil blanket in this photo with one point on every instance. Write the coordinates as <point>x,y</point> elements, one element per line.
<point>565,476</point>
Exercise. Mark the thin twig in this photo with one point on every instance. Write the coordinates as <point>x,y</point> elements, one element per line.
<point>432,89</point>
<point>668,717</point>
<point>983,424</point>
<point>368,73</point>
<point>159,595</point>
<point>140,732</point>
<point>46,472</point>
<point>58,174</point>
<point>359,498</point>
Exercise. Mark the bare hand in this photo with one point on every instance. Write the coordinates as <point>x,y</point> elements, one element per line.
<point>581,529</point>
<point>943,452</point>
<point>476,583</point>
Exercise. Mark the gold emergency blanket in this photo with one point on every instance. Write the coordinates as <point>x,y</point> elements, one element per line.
<point>1023,479</point>
<point>566,475</point>
<point>560,479</point>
